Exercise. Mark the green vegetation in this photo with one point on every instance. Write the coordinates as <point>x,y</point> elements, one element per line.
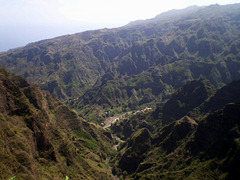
<point>184,149</point>
<point>44,139</point>
<point>175,77</point>
<point>12,178</point>
<point>136,65</point>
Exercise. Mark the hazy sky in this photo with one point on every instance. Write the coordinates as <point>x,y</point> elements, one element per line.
<point>24,21</point>
<point>91,11</point>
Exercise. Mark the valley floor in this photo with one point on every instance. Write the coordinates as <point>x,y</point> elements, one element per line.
<point>111,120</point>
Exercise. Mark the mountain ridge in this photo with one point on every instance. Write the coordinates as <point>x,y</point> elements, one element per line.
<point>177,83</point>
<point>185,148</point>
<point>41,138</point>
<point>148,62</point>
<point>168,15</point>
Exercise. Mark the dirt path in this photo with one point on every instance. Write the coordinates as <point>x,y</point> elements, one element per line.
<point>111,120</point>
<point>107,123</point>
<point>118,140</point>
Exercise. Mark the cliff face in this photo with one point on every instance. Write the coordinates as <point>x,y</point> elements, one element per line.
<point>41,138</point>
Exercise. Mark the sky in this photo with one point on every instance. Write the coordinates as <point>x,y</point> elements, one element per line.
<point>25,21</point>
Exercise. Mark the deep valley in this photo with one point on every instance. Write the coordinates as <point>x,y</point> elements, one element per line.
<point>155,99</point>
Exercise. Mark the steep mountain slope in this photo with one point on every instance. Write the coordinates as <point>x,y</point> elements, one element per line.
<point>187,149</point>
<point>166,56</point>
<point>117,70</point>
<point>185,99</point>
<point>125,127</point>
<point>227,94</point>
<point>211,151</point>
<point>124,68</point>
<point>41,138</point>
<point>196,99</point>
